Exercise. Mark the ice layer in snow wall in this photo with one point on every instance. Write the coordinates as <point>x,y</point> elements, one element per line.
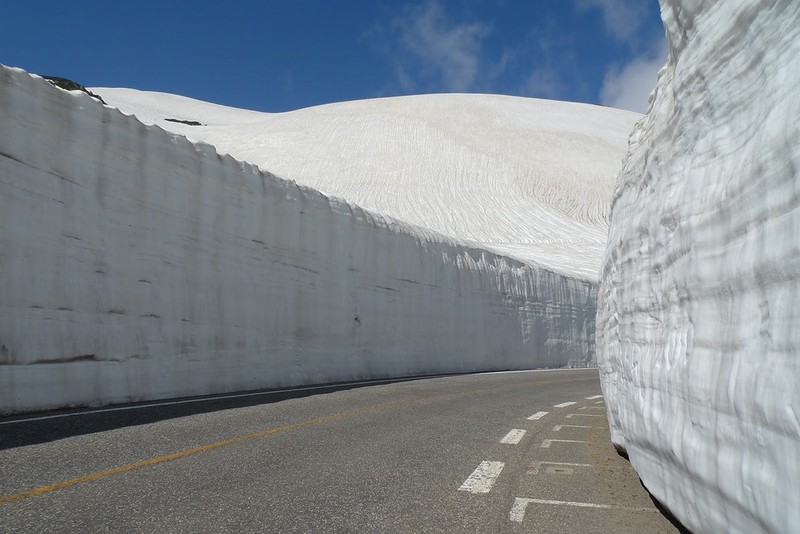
<point>136,265</point>
<point>699,301</point>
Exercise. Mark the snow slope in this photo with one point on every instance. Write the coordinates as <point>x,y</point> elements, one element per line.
<point>699,301</point>
<point>527,178</point>
<point>136,265</point>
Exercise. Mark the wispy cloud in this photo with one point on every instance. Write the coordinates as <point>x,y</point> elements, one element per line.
<point>543,83</point>
<point>435,50</point>
<point>546,56</point>
<point>621,18</point>
<point>432,46</point>
<point>628,86</point>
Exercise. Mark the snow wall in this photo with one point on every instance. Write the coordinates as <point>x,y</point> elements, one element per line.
<point>699,302</point>
<point>136,265</point>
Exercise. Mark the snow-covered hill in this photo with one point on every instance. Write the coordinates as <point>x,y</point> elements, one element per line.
<point>527,178</point>
<point>135,264</point>
<point>699,303</point>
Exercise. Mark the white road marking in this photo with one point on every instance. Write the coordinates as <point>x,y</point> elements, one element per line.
<point>594,397</point>
<point>591,408</point>
<point>514,436</point>
<point>599,402</point>
<point>564,404</point>
<point>537,415</point>
<point>558,428</point>
<point>546,443</point>
<point>517,512</point>
<point>571,415</point>
<point>483,478</point>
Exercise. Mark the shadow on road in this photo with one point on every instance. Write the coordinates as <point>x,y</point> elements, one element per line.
<point>43,427</point>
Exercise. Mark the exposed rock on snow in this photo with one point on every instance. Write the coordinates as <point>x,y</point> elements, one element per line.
<point>699,302</point>
<point>137,265</point>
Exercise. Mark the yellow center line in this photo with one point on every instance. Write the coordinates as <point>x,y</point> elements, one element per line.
<point>243,437</point>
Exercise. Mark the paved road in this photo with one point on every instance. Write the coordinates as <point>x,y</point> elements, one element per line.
<point>503,452</point>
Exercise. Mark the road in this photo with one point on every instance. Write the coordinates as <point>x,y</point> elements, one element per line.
<point>497,452</point>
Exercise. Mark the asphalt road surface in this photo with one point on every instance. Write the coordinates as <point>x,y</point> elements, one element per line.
<point>497,452</point>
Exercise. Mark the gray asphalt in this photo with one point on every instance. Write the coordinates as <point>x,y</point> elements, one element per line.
<point>383,458</point>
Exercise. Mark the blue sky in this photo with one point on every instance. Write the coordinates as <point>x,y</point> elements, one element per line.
<point>274,55</point>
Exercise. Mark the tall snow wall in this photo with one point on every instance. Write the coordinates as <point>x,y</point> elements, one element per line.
<point>136,265</point>
<point>699,302</point>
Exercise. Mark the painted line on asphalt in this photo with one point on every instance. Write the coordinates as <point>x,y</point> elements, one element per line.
<point>483,478</point>
<point>546,443</point>
<point>591,408</point>
<point>593,397</point>
<point>558,428</point>
<point>599,402</point>
<point>571,415</point>
<point>514,436</point>
<point>258,393</point>
<point>244,437</point>
<point>564,404</point>
<point>537,415</point>
<point>517,513</point>
<point>182,454</point>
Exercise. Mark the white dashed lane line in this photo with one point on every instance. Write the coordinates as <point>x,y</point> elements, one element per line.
<point>485,475</point>
<point>517,512</point>
<point>514,436</point>
<point>483,478</point>
<point>571,415</point>
<point>591,408</point>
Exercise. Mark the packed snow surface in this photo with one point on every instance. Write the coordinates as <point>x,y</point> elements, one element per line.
<point>527,178</point>
<point>137,265</point>
<point>699,300</point>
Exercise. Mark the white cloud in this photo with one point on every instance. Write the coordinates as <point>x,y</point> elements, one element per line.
<point>621,18</point>
<point>438,49</point>
<point>543,83</point>
<point>628,86</point>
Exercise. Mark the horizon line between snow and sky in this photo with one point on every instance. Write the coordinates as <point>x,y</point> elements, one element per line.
<point>280,56</point>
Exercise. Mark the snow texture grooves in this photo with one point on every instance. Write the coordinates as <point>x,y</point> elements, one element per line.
<point>528,178</point>
<point>136,265</point>
<point>700,291</point>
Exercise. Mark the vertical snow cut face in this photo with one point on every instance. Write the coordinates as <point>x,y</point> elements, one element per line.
<point>137,265</point>
<point>699,299</point>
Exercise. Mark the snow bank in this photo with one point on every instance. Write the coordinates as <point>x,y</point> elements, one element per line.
<point>699,302</point>
<point>136,265</point>
<point>527,178</point>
